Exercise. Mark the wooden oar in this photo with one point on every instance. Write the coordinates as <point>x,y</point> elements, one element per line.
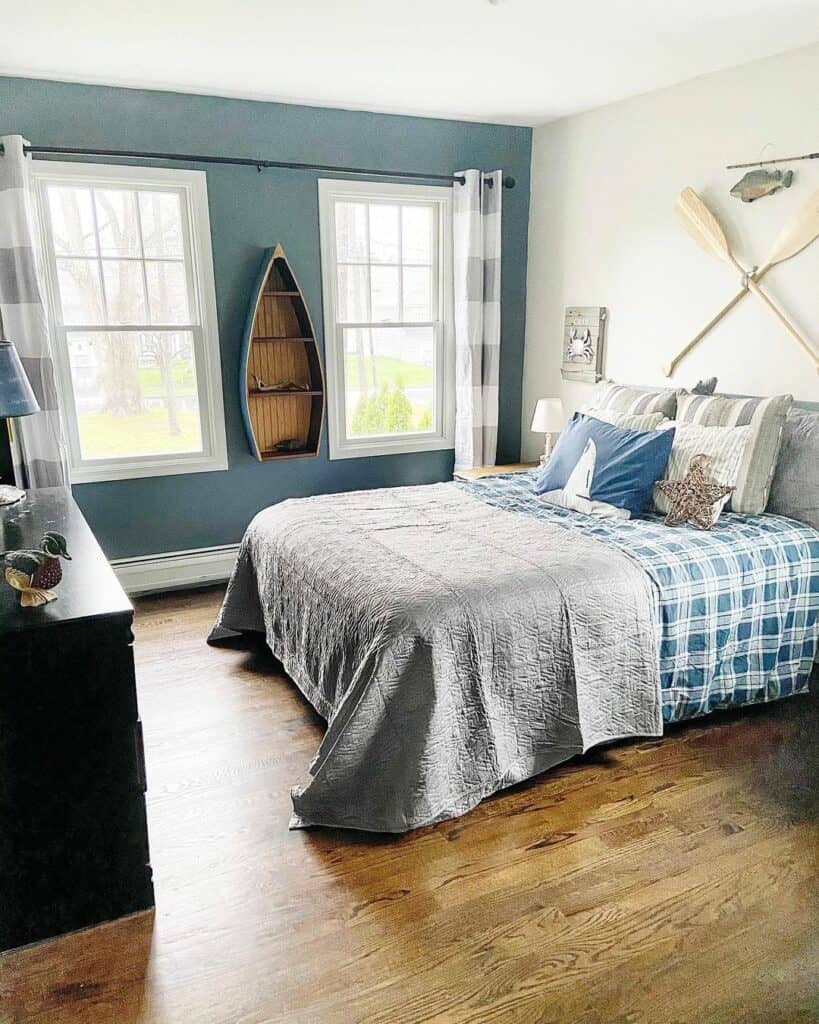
<point>798,233</point>
<point>668,368</point>
<point>706,230</point>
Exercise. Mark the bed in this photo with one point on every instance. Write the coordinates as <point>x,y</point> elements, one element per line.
<point>461,637</point>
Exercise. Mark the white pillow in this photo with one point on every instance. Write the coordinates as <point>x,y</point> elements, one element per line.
<point>724,445</point>
<point>626,420</point>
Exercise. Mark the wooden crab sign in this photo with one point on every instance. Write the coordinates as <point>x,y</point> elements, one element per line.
<point>706,231</point>
<point>579,346</point>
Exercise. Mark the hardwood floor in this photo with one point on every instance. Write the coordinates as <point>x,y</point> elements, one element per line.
<point>663,881</point>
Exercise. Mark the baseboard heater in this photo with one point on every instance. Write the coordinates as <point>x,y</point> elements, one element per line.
<point>173,570</point>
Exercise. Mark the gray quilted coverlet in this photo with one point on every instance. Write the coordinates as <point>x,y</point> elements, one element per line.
<point>454,648</point>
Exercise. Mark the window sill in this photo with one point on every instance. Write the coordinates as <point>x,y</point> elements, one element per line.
<point>141,468</point>
<point>367,449</point>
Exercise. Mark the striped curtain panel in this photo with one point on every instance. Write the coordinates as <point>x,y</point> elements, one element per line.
<point>476,254</point>
<point>38,449</point>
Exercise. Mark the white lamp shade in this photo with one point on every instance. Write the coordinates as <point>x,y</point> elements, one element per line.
<point>548,417</point>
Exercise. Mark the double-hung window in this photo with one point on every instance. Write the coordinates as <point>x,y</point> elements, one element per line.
<point>131,295</point>
<point>387,282</point>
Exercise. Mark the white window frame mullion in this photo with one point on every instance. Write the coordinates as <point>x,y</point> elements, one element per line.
<point>400,263</point>
<point>106,319</point>
<point>442,435</point>
<point>369,265</point>
<point>141,328</point>
<point>436,287</point>
<point>148,311</point>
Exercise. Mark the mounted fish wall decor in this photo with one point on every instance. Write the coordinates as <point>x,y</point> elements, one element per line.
<point>756,184</point>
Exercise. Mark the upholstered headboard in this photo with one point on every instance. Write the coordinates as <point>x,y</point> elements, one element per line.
<point>807,406</point>
<point>795,488</point>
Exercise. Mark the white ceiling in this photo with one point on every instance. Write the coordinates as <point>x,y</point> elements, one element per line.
<point>514,61</point>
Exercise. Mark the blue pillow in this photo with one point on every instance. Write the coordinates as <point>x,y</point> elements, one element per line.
<point>629,462</point>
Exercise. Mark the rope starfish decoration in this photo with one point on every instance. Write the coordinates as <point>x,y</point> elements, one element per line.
<point>692,499</point>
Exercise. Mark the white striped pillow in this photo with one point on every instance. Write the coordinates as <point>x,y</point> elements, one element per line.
<point>628,421</point>
<point>765,418</point>
<point>726,447</point>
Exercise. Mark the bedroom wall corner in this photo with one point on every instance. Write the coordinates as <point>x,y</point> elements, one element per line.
<point>602,232</point>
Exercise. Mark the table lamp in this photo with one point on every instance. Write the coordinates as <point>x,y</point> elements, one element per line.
<point>547,420</point>
<point>16,399</point>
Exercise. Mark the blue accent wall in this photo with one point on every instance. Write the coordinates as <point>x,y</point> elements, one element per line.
<point>249,212</point>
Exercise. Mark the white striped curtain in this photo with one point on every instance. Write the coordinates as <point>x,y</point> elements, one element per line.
<point>39,451</point>
<point>476,253</point>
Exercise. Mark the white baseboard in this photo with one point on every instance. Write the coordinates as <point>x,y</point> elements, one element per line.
<point>174,569</point>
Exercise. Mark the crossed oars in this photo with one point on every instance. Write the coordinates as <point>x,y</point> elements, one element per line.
<point>705,229</point>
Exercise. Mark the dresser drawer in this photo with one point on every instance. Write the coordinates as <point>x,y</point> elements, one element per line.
<point>86,865</point>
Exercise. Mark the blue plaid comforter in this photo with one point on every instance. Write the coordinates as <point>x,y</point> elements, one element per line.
<point>738,606</point>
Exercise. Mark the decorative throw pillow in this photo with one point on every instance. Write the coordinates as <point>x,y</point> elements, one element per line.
<point>629,421</point>
<point>627,462</point>
<point>795,487</point>
<point>766,419</point>
<point>697,498</point>
<point>575,494</point>
<point>619,398</point>
<point>725,446</point>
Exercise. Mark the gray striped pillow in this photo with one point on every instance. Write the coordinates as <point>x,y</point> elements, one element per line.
<point>725,447</point>
<point>765,417</point>
<point>622,399</point>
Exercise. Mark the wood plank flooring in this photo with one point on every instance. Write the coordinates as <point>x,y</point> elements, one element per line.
<point>669,881</point>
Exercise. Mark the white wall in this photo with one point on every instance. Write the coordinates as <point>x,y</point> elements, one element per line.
<point>602,232</point>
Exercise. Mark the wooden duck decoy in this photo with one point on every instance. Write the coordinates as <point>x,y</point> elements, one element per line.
<point>35,571</point>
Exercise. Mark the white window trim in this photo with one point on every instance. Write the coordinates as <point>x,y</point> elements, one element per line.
<point>193,185</point>
<point>340,446</point>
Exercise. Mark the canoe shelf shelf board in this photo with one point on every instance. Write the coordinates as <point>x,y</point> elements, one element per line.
<point>279,349</point>
<point>281,393</point>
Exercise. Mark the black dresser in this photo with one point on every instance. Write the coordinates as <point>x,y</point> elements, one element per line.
<point>73,834</point>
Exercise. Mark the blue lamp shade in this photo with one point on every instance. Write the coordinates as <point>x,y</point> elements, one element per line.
<point>16,396</point>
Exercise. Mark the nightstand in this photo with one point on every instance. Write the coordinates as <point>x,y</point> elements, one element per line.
<point>479,471</point>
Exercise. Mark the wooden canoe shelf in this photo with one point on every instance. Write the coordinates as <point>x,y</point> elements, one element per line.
<point>279,345</point>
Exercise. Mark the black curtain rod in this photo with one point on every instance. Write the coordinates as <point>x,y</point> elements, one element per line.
<point>260,165</point>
